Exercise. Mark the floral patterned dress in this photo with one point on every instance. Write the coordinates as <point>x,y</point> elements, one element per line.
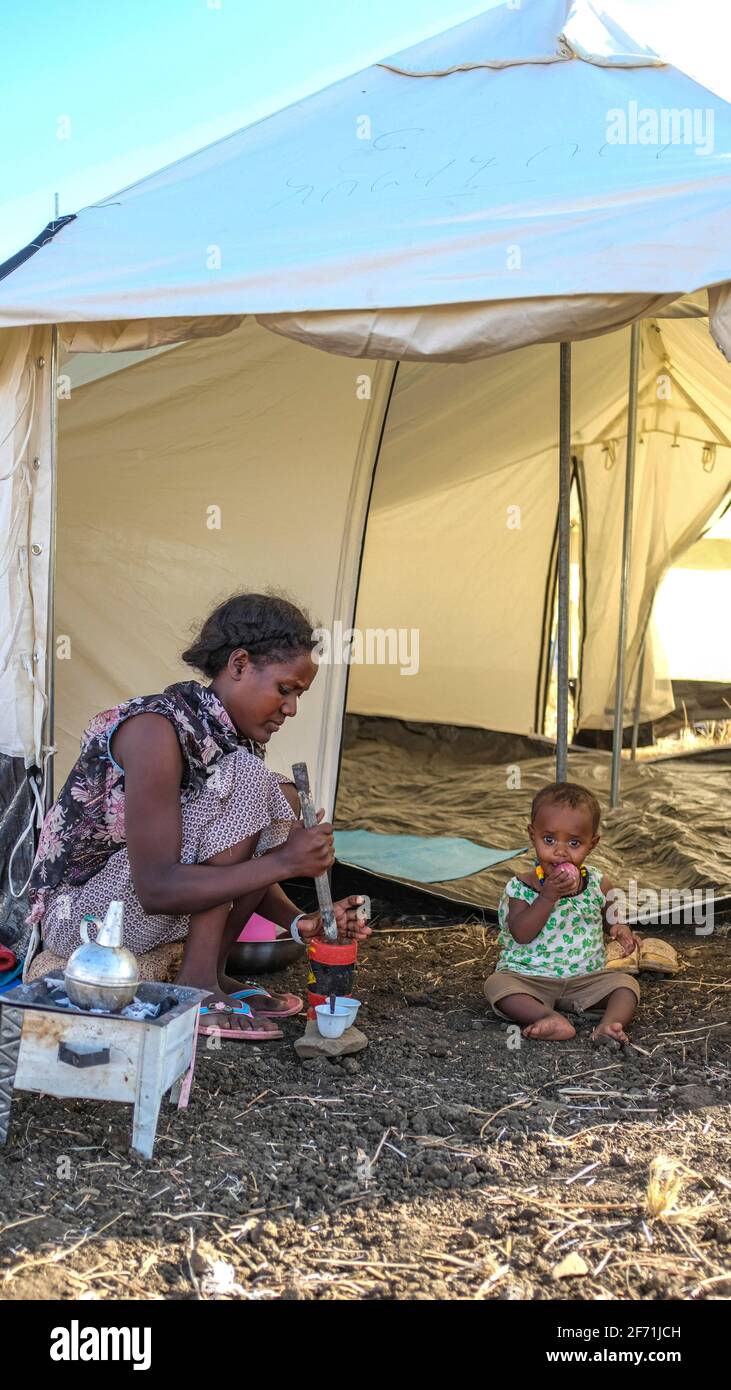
<point>226,795</point>
<point>570,943</point>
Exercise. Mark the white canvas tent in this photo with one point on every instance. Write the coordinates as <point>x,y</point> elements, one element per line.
<point>446,554</point>
<point>475,196</point>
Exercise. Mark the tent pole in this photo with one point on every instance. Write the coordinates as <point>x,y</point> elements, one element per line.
<point>638,702</point>
<point>629,481</point>
<point>49,723</point>
<point>564,530</point>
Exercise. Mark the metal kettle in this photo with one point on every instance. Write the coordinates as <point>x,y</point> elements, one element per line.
<point>102,974</point>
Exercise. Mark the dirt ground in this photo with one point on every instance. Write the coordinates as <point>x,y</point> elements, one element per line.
<point>441,1163</point>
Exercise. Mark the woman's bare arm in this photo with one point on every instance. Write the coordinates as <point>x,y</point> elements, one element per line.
<point>277,907</point>
<point>146,746</point>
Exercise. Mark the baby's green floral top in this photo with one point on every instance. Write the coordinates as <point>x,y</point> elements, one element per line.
<point>570,943</point>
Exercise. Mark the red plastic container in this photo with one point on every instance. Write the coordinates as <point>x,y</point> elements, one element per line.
<point>331,971</point>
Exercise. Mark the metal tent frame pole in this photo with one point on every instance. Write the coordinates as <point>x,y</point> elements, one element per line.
<point>638,701</point>
<point>629,483</point>
<point>49,723</point>
<point>564,533</point>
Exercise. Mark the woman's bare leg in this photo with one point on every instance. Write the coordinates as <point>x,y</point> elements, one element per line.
<point>239,913</point>
<point>241,910</point>
<point>205,942</point>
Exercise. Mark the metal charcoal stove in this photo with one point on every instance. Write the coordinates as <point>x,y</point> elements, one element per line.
<point>62,1051</point>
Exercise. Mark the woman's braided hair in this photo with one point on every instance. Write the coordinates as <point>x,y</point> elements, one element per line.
<point>268,626</point>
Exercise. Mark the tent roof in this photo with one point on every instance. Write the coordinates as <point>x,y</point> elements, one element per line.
<point>539,166</point>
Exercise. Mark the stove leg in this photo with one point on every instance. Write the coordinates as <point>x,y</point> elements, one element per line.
<point>180,1093</point>
<point>149,1092</point>
<point>11,1027</point>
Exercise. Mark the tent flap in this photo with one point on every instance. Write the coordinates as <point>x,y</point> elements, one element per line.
<point>465,332</point>
<point>138,335</point>
<point>26,526</point>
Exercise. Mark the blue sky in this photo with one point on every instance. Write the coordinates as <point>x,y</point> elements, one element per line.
<point>147,81</point>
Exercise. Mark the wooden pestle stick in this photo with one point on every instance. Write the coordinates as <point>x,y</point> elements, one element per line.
<point>322,882</point>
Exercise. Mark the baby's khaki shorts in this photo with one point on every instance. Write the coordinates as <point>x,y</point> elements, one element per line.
<point>578,995</point>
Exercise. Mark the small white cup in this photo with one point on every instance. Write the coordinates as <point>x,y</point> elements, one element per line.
<point>351,1006</point>
<point>331,1024</point>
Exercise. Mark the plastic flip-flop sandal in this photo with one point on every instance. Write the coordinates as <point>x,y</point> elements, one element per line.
<point>247,1034</point>
<point>292,1004</point>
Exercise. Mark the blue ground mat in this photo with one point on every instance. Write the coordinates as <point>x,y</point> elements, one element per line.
<point>419,858</point>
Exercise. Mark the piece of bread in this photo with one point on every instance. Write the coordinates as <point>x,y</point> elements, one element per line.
<point>653,955</point>
<point>617,960</point>
<point>658,957</point>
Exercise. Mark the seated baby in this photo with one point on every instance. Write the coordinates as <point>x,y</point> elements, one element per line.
<point>552,925</point>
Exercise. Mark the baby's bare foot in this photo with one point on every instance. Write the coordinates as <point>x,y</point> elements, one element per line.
<point>610,1033</point>
<point>552,1028</point>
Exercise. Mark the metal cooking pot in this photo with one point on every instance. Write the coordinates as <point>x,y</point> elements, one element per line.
<point>262,957</point>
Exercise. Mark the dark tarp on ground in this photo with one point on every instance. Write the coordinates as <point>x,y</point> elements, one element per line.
<point>671,830</point>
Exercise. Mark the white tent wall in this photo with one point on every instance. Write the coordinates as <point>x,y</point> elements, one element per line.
<point>673,500</point>
<point>464,510</point>
<point>452,423</point>
<point>276,437</point>
<point>448,567</point>
<point>682,475</point>
<point>26,531</point>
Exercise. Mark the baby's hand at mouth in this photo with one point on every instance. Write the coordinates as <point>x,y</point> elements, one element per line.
<point>562,881</point>
<point>571,870</point>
